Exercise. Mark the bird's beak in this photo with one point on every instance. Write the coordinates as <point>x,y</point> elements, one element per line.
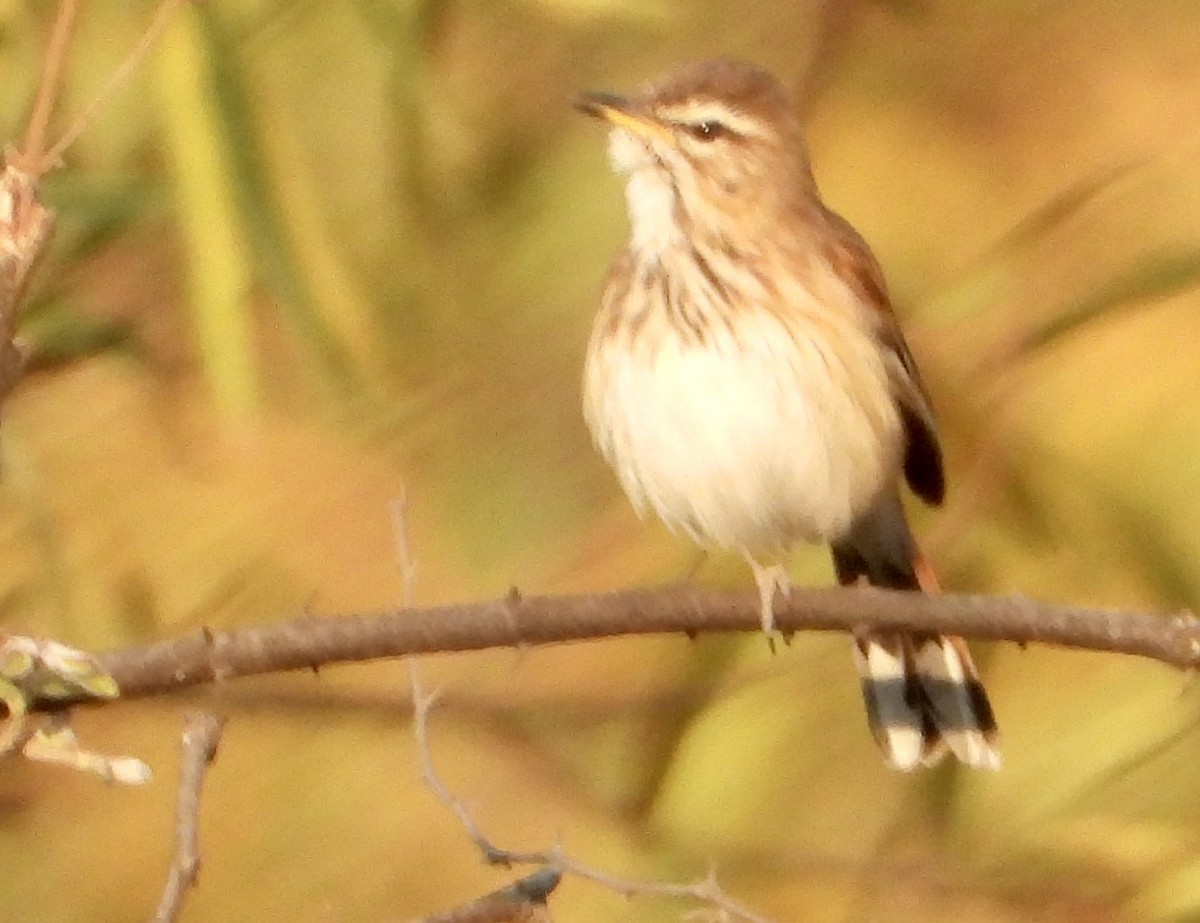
<point>623,113</point>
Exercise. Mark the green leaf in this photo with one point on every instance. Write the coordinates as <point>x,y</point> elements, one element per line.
<point>1154,278</point>
<point>57,333</point>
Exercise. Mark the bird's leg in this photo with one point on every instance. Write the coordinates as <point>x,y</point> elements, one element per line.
<point>769,578</point>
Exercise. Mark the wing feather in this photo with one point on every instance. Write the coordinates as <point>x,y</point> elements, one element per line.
<point>854,263</point>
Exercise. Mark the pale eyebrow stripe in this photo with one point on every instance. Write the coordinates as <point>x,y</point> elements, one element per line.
<point>693,113</point>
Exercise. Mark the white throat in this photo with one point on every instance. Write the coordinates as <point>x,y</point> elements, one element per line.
<point>650,199</point>
<point>649,195</point>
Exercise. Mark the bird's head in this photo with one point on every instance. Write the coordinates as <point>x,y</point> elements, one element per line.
<point>713,143</point>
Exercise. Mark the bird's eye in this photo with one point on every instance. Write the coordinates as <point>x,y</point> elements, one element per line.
<point>708,130</point>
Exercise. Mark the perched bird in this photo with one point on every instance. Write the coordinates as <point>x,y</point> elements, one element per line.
<point>747,380</point>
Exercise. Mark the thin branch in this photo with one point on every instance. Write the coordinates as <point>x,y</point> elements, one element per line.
<point>30,156</point>
<point>25,224</point>
<point>201,735</point>
<point>492,854</point>
<point>158,25</point>
<point>523,901</point>
<point>706,891</point>
<point>516,621</point>
<point>405,562</point>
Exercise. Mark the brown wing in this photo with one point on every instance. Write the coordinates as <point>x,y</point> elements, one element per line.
<point>853,261</point>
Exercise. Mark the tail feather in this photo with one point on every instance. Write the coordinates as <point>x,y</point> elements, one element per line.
<point>900,724</point>
<point>924,699</point>
<point>923,695</point>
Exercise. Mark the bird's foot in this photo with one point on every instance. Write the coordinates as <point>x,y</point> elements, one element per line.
<point>770,579</point>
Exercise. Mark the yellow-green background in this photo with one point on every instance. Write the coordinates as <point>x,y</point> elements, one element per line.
<point>317,254</point>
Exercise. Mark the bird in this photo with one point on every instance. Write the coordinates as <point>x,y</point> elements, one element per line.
<point>748,382</point>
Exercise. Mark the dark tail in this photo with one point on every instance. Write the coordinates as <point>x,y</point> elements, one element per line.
<point>923,694</point>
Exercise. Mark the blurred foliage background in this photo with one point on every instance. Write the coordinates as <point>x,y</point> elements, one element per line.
<point>317,254</point>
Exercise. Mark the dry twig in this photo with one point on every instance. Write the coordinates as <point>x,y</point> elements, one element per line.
<point>25,224</point>
<point>524,901</point>
<point>707,891</point>
<point>492,854</point>
<point>30,159</point>
<point>201,735</point>
<point>515,621</point>
<point>158,25</point>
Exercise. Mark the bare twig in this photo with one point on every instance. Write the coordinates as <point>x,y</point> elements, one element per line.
<point>516,621</point>
<point>706,891</point>
<point>492,854</point>
<point>523,901</point>
<point>201,734</point>
<point>405,561</point>
<point>162,17</point>
<point>25,224</point>
<point>30,157</point>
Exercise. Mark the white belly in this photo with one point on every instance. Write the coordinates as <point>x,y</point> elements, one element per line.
<point>753,445</point>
